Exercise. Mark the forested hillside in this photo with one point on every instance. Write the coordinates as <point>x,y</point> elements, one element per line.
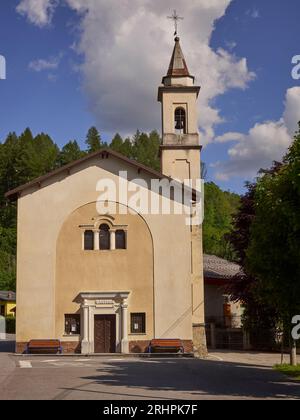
<point>24,157</point>
<point>219,209</point>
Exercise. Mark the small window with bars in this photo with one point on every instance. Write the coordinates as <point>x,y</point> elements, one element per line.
<point>138,323</point>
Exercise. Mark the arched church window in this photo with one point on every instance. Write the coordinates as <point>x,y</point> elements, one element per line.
<point>89,240</point>
<point>180,121</point>
<point>120,239</point>
<point>104,237</point>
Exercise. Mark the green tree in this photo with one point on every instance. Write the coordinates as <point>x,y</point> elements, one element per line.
<point>44,158</point>
<point>35,156</point>
<point>127,148</point>
<point>8,258</point>
<point>259,318</point>
<point>274,251</point>
<point>93,140</point>
<point>219,209</point>
<point>117,144</point>
<point>8,173</point>
<point>7,271</point>
<point>145,149</point>
<point>69,153</point>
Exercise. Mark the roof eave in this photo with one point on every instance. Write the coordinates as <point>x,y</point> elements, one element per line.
<point>14,194</point>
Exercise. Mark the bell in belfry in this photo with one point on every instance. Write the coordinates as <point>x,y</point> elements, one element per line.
<point>179,125</point>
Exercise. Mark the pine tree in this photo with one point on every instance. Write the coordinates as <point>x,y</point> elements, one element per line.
<point>127,148</point>
<point>93,140</point>
<point>70,153</point>
<point>146,149</point>
<point>117,143</point>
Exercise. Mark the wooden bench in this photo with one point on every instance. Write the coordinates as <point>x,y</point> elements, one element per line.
<point>44,347</point>
<point>166,346</point>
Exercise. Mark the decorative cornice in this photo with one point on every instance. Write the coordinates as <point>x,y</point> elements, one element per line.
<point>103,295</point>
<point>180,146</point>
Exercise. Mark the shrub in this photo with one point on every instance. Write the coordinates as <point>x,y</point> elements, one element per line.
<point>10,325</point>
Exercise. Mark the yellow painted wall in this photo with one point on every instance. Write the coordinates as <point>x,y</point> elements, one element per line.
<point>9,306</point>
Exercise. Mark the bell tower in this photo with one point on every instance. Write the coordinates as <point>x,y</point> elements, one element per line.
<point>180,149</point>
<point>180,159</point>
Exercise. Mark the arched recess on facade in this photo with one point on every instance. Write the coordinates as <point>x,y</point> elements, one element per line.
<point>73,272</point>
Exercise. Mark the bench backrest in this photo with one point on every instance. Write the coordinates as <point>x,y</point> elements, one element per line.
<point>44,344</point>
<point>166,343</point>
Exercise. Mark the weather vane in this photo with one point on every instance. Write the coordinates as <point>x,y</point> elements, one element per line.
<point>176,19</point>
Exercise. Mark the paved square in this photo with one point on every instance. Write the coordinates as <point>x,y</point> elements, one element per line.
<point>223,376</point>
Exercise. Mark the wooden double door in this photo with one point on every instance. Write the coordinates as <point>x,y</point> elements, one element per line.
<point>105,334</point>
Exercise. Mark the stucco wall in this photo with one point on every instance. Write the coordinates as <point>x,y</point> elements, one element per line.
<point>129,270</point>
<point>42,213</point>
<point>214,301</point>
<point>181,164</point>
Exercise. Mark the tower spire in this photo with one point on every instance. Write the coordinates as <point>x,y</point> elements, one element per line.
<point>178,72</point>
<point>178,66</point>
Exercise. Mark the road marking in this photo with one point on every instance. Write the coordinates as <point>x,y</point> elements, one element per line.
<point>73,364</point>
<point>216,357</point>
<point>25,365</point>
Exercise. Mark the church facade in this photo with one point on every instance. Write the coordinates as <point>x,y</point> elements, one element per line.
<point>99,274</point>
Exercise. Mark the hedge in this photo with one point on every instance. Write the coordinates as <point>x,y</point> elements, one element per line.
<point>10,325</point>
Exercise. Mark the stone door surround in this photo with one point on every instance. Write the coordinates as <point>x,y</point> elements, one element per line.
<point>104,303</point>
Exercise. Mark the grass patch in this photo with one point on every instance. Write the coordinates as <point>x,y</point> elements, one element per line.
<point>288,370</point>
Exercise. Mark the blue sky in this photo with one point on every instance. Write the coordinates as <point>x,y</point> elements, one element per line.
<point>30,99</point>
<point>66,71</point>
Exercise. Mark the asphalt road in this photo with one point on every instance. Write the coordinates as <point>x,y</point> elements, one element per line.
<point>223,376</point>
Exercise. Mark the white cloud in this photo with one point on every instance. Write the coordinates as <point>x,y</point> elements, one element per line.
<point>127,46</point>
<point>42,64</point>
<point>263,144</point>
<point>38,12</point>
<point>228,137</point>
<point>291,114</point>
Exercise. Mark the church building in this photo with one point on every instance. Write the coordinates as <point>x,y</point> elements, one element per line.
<point>110,281</point>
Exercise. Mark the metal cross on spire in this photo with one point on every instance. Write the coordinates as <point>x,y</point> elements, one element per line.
<point>176,18</point>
